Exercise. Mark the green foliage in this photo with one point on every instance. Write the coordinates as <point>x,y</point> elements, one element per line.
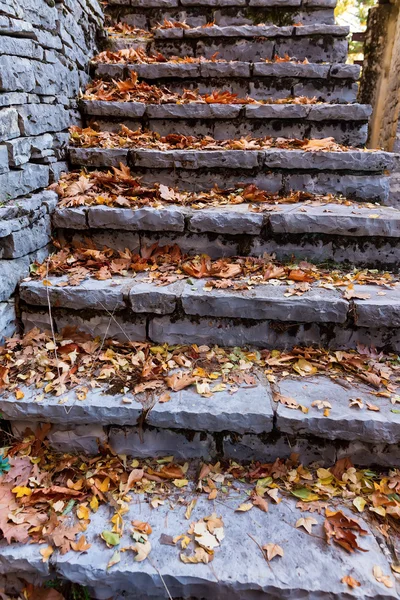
<point>354,11</point>
<point>71,591</point>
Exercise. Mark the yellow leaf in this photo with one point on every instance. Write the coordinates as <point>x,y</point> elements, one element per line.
<point>82,512</point>
<point>381,578</point>
<point>379,510</point>
<point>46,553</point>
<point>244,507</point>
<point>104,485</point>
<point>94,504</point>
<point>190,507</point>
<point>200,556</point>
<point>19,394</point>
<point>307,523</point>
<point>142,550</point>
<point>179,483</point>
<point>21,491</point>
<point>359,503</point>
<point>303,367</point>
<point>350,581</point>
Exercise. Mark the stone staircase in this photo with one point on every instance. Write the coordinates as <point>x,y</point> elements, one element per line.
<point>342,216</point>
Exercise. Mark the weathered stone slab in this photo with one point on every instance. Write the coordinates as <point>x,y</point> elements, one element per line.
<point>91,293</point>
<point>231,220</point>
<point>360,186</point>
<point>265,302</point>
<point>231,69</point>
<point>237,31</point>
<point>113,108</point>
<point>82,438</point>
<point>234,575</point>
<point>193,111</point>
<point>381,309</point>
<point>102,408</point>
<point>151,443</point>
<point>164,70</point>
<point>224,332</point>
<point>70,218</point>
<point>277,111</point>
<point>170,218</point>
<point>146,297</point>
<point>24,241</point>
<point>321,29</point>
<point>98,157</point>
<point>340,112</point>
<point>335,219</point>
<point>196,159</point>
<point>344,422</point>
<point>246,411</point>
<point>8,320</point>
<point>9,128</point>
<point>35,119</point>
<point>288,69</point>
<point>353,160</point>
<point>27,48</point>
<point>344,71</point>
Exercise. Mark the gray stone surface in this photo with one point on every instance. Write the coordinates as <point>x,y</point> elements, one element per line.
<point>8,124</point>
<point>148,219</point>
<point>91,293</point>
<point>234,575</point>
<point>149,298</point>
<point>151,443</point>
<point>337,220</point>
<point>344,422</point>
<point>378,310</point>
<point>70,218</point>
<point>248,410</point>
<point>232,220</point>
<point>265,302</point>
<point>8,320</point>
<point>98,157</point>
<point>113,109</point>
<point>25,241</point>
<point>353,160</point>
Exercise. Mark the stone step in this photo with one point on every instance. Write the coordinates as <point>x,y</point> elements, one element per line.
<point>248,424</point>
<point>317,43</point>
<point>259,80</point>
<point>232,12</point>
<point>348,124</point>
<point>356,174</point>
<point>179,311</point>
<point>354,234</point>
<point>233,574</point>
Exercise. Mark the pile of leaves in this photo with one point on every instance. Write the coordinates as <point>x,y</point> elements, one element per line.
<point>119,188</point>
<point>75,361</point>
<point>50,498</point>
<point>126,138</point>
<point>167,264</point>
<point>130,90</point>
<point>125,30</point>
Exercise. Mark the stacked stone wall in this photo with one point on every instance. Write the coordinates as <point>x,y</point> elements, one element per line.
<point>45,46</point>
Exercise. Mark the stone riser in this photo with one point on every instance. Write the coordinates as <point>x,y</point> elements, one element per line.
<point>259,89</point>
<point>317,49</point>
<point>354,185</point>
<point>196,16</point>
<point>176,329</point>
<point>351,133</point>
<point>365,251</point>
<point>152,442</point>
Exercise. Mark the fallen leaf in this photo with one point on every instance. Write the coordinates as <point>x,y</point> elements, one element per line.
<point>272,550</point>
<point>307,523</point>
<point>351,582</point>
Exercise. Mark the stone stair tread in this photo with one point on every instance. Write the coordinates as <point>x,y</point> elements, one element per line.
<point>238,569</point>
<point>350,160</point>
<point>203,110</point>
<point>138,295</point>
<point>239,412</point>
<point>333,219</point>
<point>250,410</point>
<point>232,68</point>
<point>222,3</point>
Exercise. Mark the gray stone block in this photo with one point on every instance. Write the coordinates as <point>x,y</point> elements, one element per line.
<point>82,438</point>
<point>8,123</point>
<point>113,108</point>
<point>231,220</point>
<point>98,157</point>
<point>104,325</point>
<point>238,31</point>
<point>340,112</point>
<point>343,422</point>
<point>224,332</point>
<point>147,297</point>
<point>24,241</point>
<point>361,187</point>
<point>288,69</point>
<point>102,409</point>
<point>8,320</point>
<point>16,74</point>
<point>334,219</point>
<point>265,302</point>
<point>152,443</point>
<point>193,111</point>
<point>11,272</point>
<point>344,71</point>
<point>10,46</point>
<point>277,111</point>
<point>231,69</point>
<point>196,159</point>
<point>150,219</point>
<point>91,293</point>
<point>4,164</point>
<point>35,119</point>
<point>378,310</point>
<point>70,218</point>
<point>353,160</point>
<point>165,70</point>
<point>246,411</point>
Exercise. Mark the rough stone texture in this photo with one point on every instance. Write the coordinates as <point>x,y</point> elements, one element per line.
<point>44,49</point>
<point>82,438</point>
<point>378,309</point>
<point>343,422</point>
<point>8,320</point>
<point>234,575</point>
<point>150,219</point>
<point>161,442</point>
<point>265,302</point>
